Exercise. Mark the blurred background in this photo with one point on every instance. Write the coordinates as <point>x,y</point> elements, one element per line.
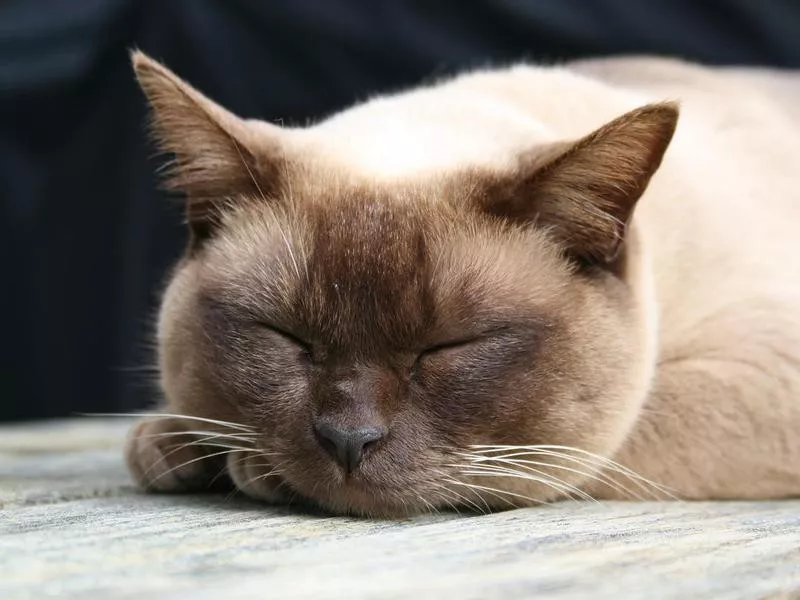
<point>87,238</point>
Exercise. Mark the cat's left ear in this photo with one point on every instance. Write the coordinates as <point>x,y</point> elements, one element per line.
<point>217,156</point>
<point>585,192</point>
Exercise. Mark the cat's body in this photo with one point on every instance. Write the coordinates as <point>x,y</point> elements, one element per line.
<point>720,223</point>
<point>688,374</point>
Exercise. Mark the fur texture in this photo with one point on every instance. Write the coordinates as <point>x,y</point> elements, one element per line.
<point>527,280</point>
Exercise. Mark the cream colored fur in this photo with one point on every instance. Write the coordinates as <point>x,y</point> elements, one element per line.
<point>720,227</point>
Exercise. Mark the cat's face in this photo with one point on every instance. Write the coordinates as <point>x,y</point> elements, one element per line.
<point>373,335</point>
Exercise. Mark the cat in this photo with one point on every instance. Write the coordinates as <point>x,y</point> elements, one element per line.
<point>512,286</point>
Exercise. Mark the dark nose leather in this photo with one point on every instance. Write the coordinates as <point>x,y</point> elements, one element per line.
<point>347,446</point>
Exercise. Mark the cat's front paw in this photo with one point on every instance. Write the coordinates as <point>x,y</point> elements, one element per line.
<point>258,478</point>
<point>163,456</point>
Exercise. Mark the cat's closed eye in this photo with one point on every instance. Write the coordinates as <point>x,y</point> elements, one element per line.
<point>466,347</point>
<point>305,350</point>
<point>447,347</point>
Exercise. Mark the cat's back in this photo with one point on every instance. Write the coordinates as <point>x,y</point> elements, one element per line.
<point>483,117</point>
<point>769,95</point>
<point>480,118</point>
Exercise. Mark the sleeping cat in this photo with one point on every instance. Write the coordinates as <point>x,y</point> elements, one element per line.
<point>507,288</point>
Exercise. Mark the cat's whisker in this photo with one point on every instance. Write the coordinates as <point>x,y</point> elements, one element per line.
<point>405,503</point>
<point>431,508</point>
<point>274,462</point>
<point>241,459</point>
<point>172,450</point>
<point>477,490</point>
<point>290,251</point>
<point>509,466</point>
<point>596,475</point>
<point>213,444</point>
<point>264,198</point>
<point>445,476</point>
<point>453,499</point>
<point>208,441</point>
<point>653,488</point>
<point>226,468</point>
<point>220,473</point>
<point>601,462</point>
<point>194,460</point>
<point>247,167</point>
<point>293,494</point>
<point>480,498</point>
<point>564,492</point>
<point>447,499</point>
<point>483,454</point>
<point>497,493</point>
<point>601,471</point>
<point>247,438</point>
<point>315,487</point>
<point>275,471</point>
<point>275,465</point>
<point>552,482</point>
<point>230,495</point>
<point>157,415</point>
<point>442,498</point>
<point>458,496</point>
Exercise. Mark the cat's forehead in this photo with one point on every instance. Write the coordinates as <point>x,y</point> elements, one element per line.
<point>367,266</point>
<point>344,262</point>
<point>368,234</point>
<point>368,269</point>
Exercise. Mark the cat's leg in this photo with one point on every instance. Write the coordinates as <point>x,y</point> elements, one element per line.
<point>719,428</point>
<point>163,456</point>
<point>166,454</point>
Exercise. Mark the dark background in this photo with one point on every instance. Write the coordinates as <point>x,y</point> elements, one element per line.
<point>86,236</point>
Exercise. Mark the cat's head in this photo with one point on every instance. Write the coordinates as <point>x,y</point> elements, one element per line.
<point>374,333</point>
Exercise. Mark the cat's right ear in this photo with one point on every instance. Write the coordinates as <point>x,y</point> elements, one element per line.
<point>218,158</point>
<point>584,192</point>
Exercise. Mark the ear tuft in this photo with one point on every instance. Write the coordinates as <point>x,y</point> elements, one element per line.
<point>143,64</point>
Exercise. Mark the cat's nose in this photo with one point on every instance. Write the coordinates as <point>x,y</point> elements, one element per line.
<point>347,446</point>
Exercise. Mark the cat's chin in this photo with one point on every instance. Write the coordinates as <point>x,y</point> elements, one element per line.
<point>372,503</point>
<point>260,481</point>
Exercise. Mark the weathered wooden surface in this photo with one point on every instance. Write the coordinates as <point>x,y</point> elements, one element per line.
<point>71,526</point>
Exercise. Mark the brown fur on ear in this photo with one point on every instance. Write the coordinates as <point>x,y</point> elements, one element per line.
<point>217,156</point>
<point>586,191</point>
